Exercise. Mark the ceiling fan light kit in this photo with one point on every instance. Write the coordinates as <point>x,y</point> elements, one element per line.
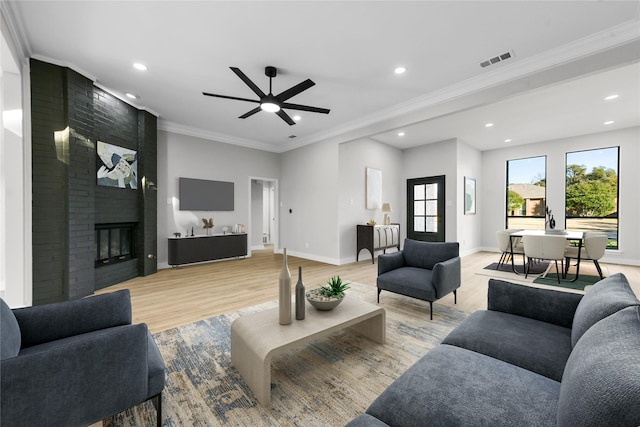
<point>269,102</point>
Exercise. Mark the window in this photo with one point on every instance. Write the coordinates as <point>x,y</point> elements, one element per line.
<point>591,192</point>
<point>526,193</point>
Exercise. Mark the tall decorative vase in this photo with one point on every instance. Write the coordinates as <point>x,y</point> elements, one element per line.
<point>300,296</point>
<point>285,292</point>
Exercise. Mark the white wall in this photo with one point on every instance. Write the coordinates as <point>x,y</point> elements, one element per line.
<point>190,157</point>
<point>15,176</point>
<point>469,164</point>
<point>354,158</point>
<point>434,160</point>
<point>309,202</point>
<point>493,188</point>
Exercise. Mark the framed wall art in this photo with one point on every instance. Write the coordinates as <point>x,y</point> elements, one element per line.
<point>117,166</point>
<point>469,196</point>
<point>374,188</point>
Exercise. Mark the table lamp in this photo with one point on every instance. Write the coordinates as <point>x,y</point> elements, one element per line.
<point>386,207</point>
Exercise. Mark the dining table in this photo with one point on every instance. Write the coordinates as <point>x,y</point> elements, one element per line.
<point>573,236</point>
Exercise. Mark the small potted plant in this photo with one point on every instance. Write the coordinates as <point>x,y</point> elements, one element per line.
<point>328,296</point>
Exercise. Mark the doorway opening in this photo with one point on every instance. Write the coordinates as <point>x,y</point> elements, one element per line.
<point>263,214</point>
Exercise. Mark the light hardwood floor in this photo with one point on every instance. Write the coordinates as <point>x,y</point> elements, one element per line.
<point>177,296</point>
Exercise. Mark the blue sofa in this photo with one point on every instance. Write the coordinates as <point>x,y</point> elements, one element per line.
<point>536,357</point>
<point>422,270</point>
<point>76,362</point>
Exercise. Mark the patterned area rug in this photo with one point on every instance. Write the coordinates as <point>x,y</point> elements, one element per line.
<point>327,382</point>
<point>582,281</point>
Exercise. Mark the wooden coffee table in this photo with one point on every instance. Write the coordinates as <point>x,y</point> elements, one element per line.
<point>257,337</point>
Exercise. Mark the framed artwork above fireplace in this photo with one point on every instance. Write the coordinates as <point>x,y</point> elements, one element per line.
<point>117,166</point>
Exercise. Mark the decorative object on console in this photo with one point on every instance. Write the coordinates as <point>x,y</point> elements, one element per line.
<point>117,166</point>
<point>386,208</point>
<point>371,222</point>
<point>284,296</point>
<point>329,296</point>
<point>550,223</point>
<point>299,296</point>
<point>373,188</point>
<point>469,196</point>
<point>207,224</point>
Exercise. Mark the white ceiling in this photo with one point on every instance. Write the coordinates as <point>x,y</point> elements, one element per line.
<point>568,55</point>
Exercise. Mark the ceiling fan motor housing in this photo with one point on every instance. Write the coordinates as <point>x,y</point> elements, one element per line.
<point>270,71</point>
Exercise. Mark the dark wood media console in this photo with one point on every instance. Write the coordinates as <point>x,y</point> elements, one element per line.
<point>186,250</point>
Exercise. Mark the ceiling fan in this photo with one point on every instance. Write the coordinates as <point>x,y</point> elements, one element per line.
<point>269,102</point>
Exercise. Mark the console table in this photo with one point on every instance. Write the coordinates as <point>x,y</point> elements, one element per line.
<point>186,250</point>
<point>377,237</point>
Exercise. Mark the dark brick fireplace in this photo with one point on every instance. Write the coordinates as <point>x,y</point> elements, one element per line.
<point>69,114</point>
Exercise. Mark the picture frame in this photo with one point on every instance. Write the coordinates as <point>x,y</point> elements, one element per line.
<point>373,190</point>
<point>116,166</point>
<point>469,196</point>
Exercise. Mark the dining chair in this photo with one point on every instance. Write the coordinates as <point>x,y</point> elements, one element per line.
<point>545,247</point>
<point>503,237</point>
<point>593,248</point>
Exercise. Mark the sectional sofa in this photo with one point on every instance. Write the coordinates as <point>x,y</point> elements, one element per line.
<point>536,357</point>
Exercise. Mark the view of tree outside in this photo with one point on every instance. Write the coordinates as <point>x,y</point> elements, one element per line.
<point>591,190</point>
<point>526,193</point>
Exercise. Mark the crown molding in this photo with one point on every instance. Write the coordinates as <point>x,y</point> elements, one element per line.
<point>215,136</point>
<point>12,30</point>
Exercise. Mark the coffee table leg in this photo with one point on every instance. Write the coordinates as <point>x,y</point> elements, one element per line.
<point>373,328</point>
<point>255,370</point>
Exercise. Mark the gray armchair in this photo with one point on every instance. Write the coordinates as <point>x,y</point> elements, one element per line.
<point>75,363</point>
<point>422,270</point>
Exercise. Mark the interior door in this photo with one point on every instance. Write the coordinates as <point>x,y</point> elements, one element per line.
<point>425,209</point>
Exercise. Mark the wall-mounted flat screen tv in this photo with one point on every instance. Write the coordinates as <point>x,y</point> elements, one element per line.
<point>204,195</point>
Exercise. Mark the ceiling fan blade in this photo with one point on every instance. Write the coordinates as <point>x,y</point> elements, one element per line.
<point>293,91</point>
<point>284,116</point>
<point>248,82</point>
<point>230,97</point>
<point>304,108</point>
<point>250,113</point>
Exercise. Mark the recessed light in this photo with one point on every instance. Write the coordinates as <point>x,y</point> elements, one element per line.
<point>139,66</point>
<point>131,95</point>
<point>507,140</point>
<point>297,118</point>
<point>488,125</point>
<point>400,133</point>
<point>609,122</point>
<point>610,97</point>
<point>400,70</point>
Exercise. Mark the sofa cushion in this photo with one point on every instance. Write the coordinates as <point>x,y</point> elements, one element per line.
<point>452,386</point>
<point>411,281</point>
<point>10,339</point>
<point>366,420</point>
<point>605,298</point>
<point>538,346</point>
<point>601,381</point>
<point>428,254</point>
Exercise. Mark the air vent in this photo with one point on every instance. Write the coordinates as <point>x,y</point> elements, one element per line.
<point>292,136</point>
<point>496,59</point>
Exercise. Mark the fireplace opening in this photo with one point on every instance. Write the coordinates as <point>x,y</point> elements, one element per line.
<point>114,243</point>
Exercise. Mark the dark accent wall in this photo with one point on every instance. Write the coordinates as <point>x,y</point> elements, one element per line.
<point>69,115</point>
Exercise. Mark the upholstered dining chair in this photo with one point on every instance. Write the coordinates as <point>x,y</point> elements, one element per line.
<point>545,247</point>
<point>594,245</point>
<point>503,237</point>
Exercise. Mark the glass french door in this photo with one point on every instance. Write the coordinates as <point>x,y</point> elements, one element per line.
<point>425,209</point>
